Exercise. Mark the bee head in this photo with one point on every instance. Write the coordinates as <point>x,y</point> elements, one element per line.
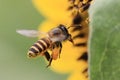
<point>65,32</point>
<point>63,29</point>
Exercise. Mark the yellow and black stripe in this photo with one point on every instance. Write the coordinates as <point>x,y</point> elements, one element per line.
<point>40,47</point>
<point>80,26</point>
<point>81,5</point>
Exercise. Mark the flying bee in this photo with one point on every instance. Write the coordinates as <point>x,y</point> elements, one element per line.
<point>52,41</point>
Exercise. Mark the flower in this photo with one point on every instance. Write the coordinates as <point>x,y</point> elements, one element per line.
<point>55,12</point>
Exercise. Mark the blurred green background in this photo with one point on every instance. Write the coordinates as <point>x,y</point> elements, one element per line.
<point>14,65</point>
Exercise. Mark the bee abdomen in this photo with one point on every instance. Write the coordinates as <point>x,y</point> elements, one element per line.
<point>39,47</point>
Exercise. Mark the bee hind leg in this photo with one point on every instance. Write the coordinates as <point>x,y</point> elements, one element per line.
<point>50,61</point>
<point>47,56</point>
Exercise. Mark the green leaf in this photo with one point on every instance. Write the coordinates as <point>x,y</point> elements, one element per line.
<point>104,41</point>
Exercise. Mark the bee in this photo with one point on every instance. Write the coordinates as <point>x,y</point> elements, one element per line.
<point>51,41</point>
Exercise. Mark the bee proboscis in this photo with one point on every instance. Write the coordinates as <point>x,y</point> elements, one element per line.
<point>52,41</point>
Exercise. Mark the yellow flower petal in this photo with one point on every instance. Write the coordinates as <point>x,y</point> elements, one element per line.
<point>55,10</point>
<point>77,76</point>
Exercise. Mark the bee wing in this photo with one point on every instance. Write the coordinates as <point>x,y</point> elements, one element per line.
<point>31,33</point>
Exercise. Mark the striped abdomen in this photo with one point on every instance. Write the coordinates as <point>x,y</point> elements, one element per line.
<point>39,47</point>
